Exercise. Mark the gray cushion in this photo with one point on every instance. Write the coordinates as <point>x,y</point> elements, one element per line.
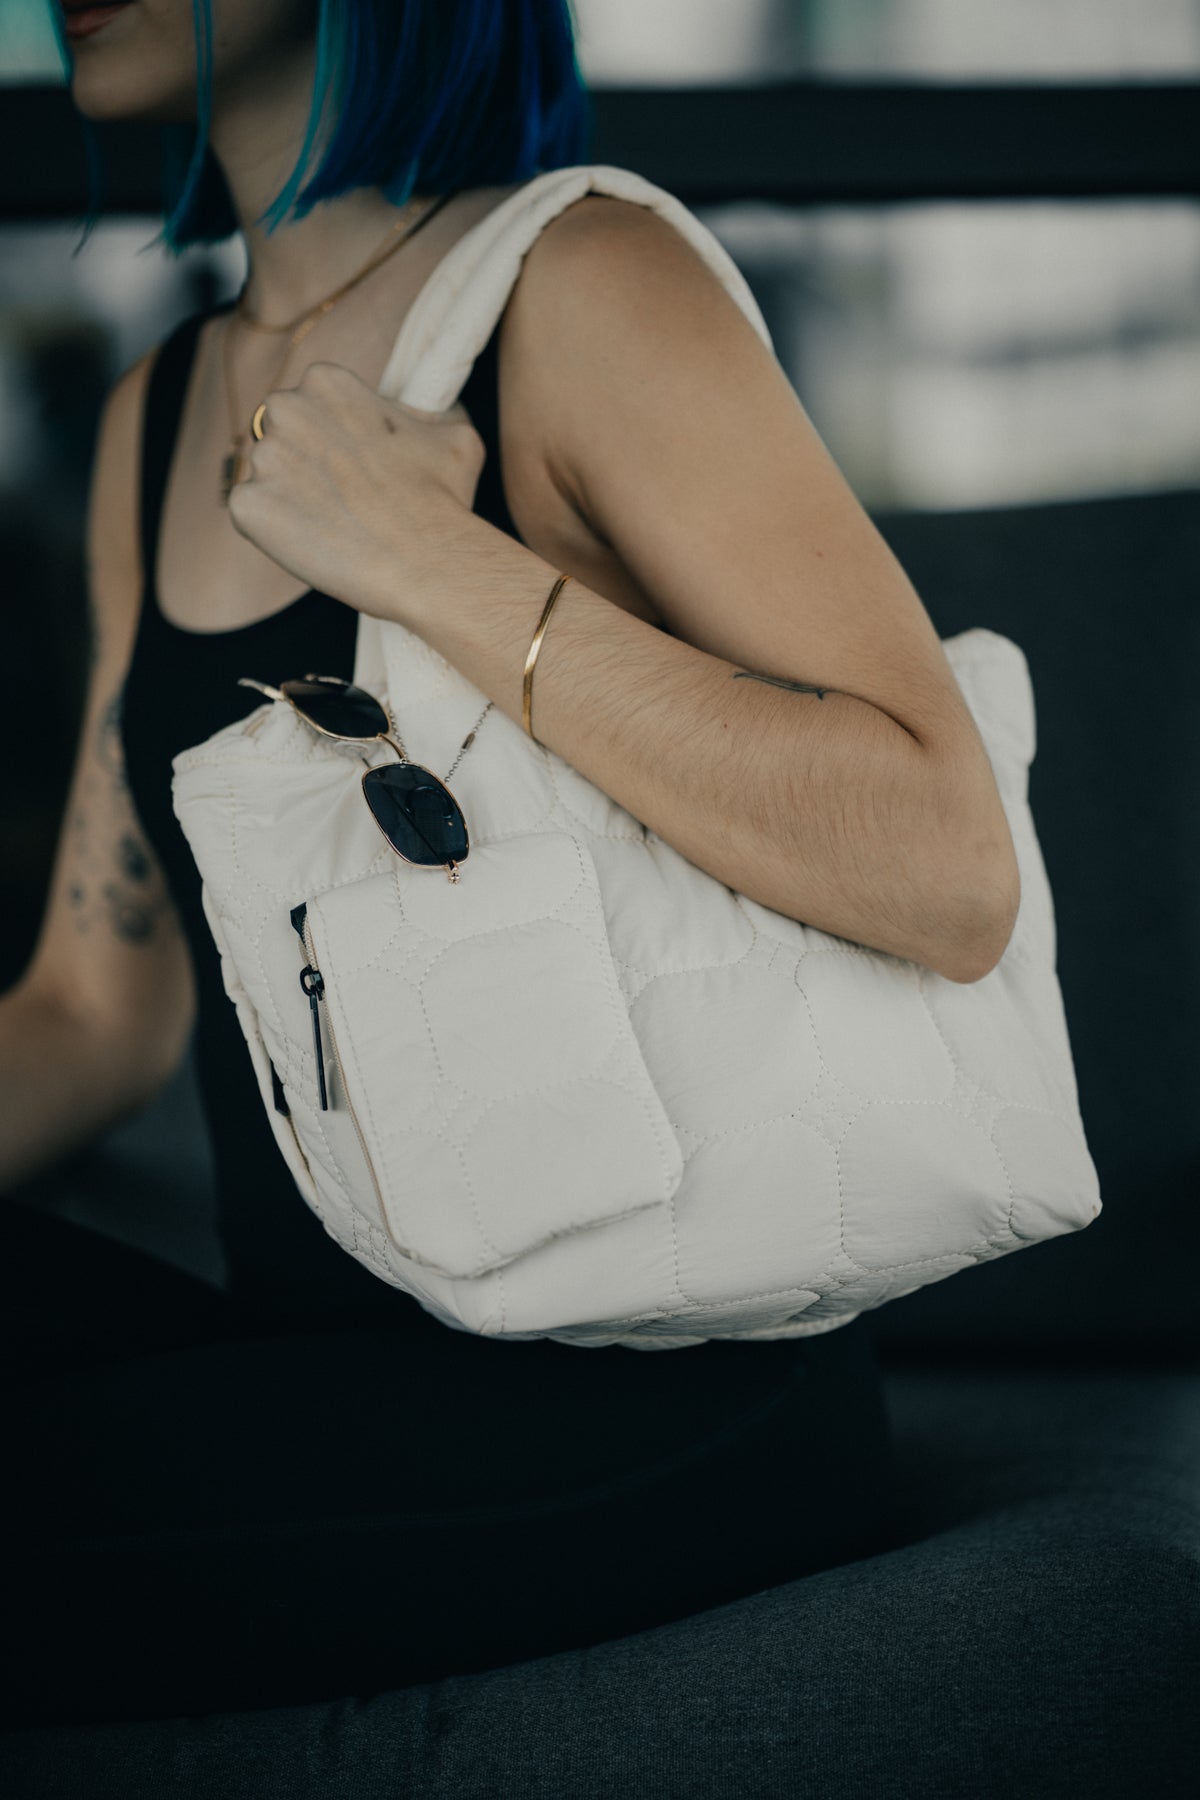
<point>1043,1644</point>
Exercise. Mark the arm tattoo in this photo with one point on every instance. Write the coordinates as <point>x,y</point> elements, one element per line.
<point>109,749</point>
<point>797,687</point>
<point>115,885</point>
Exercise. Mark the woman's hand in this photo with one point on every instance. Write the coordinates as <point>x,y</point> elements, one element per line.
<point>355,494</point>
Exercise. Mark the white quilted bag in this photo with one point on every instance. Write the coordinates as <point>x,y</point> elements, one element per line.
<point>591,1093</point>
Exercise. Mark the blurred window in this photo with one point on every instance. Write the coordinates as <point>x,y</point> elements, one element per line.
<point>680,42</point>
<point>965,356</point>
<point>28,52</point>
<point>949,355</point>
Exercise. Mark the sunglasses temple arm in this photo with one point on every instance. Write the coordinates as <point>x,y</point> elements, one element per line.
<point>261,687</point>
<point>274,694</point>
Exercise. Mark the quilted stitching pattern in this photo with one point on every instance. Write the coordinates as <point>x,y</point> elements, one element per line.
<point>490,1034</point>
<point>591,1092</point>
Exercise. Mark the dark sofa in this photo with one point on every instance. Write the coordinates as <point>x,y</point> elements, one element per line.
<point>1036,1631</point>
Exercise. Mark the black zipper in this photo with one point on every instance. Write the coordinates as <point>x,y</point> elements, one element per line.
<point>313,983</point>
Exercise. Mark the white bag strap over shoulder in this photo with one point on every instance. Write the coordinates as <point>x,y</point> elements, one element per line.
<point>456,311</point>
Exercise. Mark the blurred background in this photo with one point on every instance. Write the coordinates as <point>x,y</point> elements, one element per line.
<point>973,230</point>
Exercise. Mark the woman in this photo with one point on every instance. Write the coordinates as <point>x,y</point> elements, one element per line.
<point>309,1487</point>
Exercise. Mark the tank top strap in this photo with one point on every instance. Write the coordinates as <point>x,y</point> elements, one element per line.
<point>165,391</point>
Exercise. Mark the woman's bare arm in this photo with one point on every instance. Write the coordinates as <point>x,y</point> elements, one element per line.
<point>102,1014</point>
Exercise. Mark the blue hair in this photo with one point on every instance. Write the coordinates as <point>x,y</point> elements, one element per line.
<point>427,96</point>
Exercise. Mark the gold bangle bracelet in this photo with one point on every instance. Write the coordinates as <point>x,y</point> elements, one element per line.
<point>535,646</point>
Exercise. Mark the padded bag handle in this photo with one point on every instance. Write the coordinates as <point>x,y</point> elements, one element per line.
<point>455,314</point>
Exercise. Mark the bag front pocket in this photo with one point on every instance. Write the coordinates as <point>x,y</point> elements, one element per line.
<point>483,1046</point>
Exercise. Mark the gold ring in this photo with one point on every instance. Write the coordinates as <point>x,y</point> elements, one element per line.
<point>256,421</point>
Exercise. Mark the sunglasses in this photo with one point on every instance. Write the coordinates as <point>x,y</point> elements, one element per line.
<point>417,813</point>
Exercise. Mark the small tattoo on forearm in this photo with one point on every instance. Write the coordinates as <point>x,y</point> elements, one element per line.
<point>797,687</point>
<point>109,746</point>
<point>132,920</point>
<point>116,886</point>
<point>133,859</point>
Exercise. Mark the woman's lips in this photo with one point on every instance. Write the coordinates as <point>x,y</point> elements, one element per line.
<point>82,22</point>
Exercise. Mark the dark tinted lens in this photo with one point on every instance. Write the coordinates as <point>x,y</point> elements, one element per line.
<point>419,817</point>
<point>345,710</point>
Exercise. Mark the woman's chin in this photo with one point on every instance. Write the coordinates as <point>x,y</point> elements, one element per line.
<point>116,95</point>
<point>126,70</point>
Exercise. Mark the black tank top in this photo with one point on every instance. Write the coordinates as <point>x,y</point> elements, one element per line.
<point>180,688</point>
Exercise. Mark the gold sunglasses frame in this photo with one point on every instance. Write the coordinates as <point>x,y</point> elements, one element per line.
<point>452,866</point>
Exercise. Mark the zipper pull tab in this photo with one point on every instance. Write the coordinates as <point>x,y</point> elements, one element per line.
<point>313,983</point>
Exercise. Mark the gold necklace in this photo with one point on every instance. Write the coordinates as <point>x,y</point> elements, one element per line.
<point>231,464</point>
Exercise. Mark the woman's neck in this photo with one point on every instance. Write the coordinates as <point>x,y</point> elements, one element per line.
<point>255,137</point>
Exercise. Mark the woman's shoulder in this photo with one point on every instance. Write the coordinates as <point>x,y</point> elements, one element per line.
<point>607,289</point>
<point>123,401</point>
<point>113,510</point>
<point>608,248</point>
<point>118,452</point>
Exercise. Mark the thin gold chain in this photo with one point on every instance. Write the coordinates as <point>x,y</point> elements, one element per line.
<point>300,328</point>
<point>372,262</point>
<point>462,749</point>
